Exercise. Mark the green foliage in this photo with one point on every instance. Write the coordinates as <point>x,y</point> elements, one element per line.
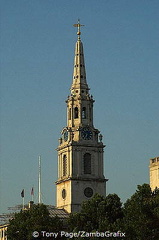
<point>98,214</point>
<point>35,219</point>
<point>138,218</point>
<point>141,214</point>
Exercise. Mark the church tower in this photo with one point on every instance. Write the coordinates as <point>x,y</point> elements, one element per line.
<point>80,150</point>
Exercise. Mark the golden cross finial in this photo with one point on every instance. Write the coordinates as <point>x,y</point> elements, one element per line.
<point>78,25</point>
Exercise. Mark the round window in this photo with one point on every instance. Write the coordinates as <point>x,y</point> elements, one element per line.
<point>88,192</point>
<point>64,193</point>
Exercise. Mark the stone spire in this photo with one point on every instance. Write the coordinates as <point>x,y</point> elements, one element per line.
<point>80,150</point>
<point>79,85</point>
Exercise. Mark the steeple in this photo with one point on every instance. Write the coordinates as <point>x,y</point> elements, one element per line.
<point>79,103</point>
<point>80,150</point>
<point>79,85</point>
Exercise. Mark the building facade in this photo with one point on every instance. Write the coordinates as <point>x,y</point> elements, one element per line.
<point>80,150</point>
<point>154,173</point>
<point>3,232</point>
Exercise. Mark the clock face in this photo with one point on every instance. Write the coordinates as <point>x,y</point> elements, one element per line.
<point>65,135</point>
<point>87,133</point>
<point>88,192</point>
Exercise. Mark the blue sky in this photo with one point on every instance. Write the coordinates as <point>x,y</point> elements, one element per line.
<point>121,46</point>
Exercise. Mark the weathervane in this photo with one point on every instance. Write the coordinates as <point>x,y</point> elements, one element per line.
<point>78,25</point>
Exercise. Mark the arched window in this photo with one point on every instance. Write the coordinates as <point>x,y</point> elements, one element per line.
<point>90,113</point>
<point>87,163</point>
<point>83,112</point>
<point>64,165</point>
<point>76,112</point>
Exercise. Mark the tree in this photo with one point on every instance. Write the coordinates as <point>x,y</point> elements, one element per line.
<point>138,218</point>
<point>36,218</point>
<point>141,214</point>
<point>98,214</point>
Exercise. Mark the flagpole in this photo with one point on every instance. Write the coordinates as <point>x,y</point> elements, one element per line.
<point>32,198</point>
<point>23,203</point>
<point>39,179</point>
